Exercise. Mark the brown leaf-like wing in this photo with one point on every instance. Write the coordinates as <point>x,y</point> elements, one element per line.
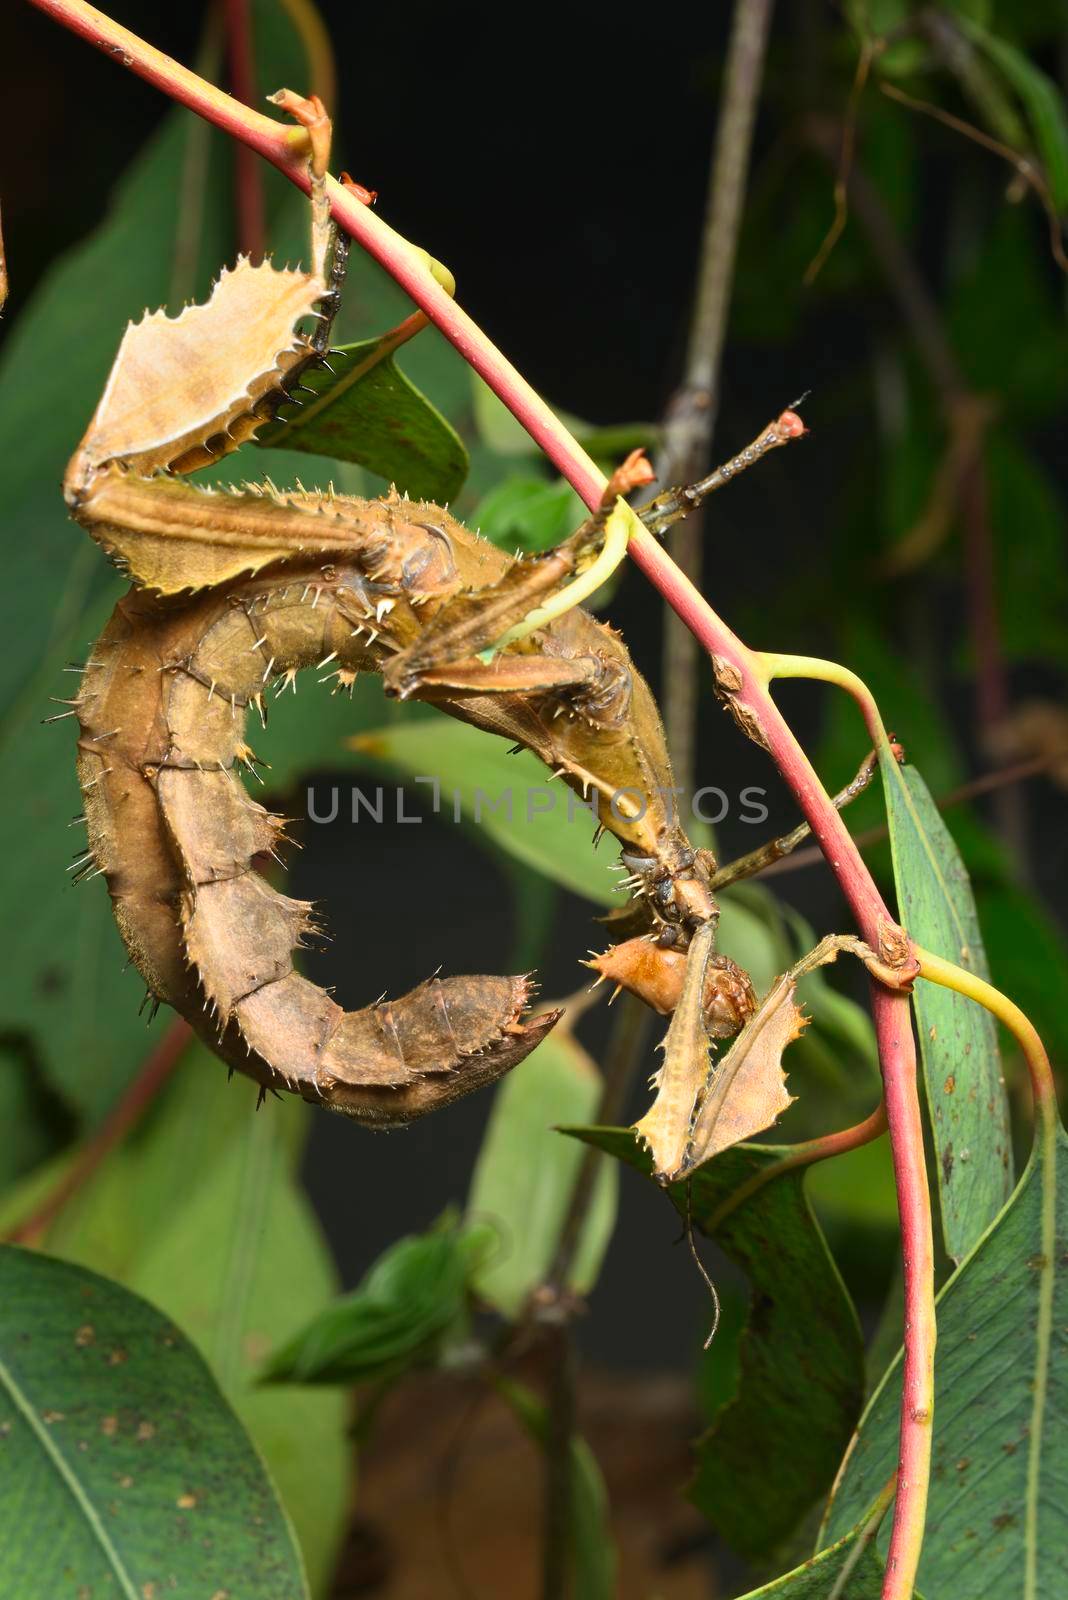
<point>178,382</point>
<point>747,1092</point>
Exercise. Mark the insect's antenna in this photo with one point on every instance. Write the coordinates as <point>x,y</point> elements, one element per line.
<point>699,1264</point>
<point>674,504</point>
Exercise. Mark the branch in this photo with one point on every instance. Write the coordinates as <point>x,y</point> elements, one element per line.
<point>741,681</point>
<point>248,174</point>
<point>986,783</point>
<point>691,413</point>
<point>961,481</point>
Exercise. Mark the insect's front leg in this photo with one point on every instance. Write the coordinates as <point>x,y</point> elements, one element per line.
<point>463,646</point>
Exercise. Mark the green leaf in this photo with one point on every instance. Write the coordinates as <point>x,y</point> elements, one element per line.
<point>997,1521</point>
<point>123,1469</point>
<point>817,1578</point>
<point>368,412</point>
<point>64,999</point>
<point>503,433</point>
<point>510,799</point>
<point>593,1555</point>
<point>413,1296</point>
<point>958,1040</point>
<point>526,1172</point>
<point>776,1445</point>
<point>528,513</point>
<point>1041,99</point>
<point>199,1210</point>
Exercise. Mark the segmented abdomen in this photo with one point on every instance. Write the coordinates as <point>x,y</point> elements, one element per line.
<point>162,712</point>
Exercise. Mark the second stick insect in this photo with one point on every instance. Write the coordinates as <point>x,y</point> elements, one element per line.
<point>233,590</point>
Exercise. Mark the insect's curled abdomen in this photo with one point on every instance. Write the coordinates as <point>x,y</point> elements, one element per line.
<point>163,711</point>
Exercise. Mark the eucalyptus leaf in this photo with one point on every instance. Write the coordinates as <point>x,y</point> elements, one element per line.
<point>367,411</point>
<point>777,1443</point>
<point>123,1469</point>
<point>198,1209</point>
<point>820,1578</point>
<point>997,1519</point>
<point>958,1040</point>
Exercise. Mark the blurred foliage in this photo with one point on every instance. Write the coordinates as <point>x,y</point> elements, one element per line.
<point>410,1306</point>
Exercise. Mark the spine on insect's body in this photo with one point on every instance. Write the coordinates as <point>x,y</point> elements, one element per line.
<point>163,708</point>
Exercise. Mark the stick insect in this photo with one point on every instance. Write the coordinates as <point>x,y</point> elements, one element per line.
<point>231,590</point>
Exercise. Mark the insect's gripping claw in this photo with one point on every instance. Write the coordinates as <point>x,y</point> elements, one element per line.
<point>366,197</point>
<point>314,133</point>
<point>311,114</point>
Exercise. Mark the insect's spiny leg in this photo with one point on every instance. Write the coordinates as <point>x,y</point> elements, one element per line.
<point>673,504</point>
<point>339,258</point>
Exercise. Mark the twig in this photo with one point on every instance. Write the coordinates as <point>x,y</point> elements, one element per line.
<point>742,680</point>
<point>964,480</point>
<point>990,781</point>
<point>248,174</point>
<point>625,1047</point>
<point>134,1103</point>
<point>691,413</point>
<point>1025,168</point>
<point>559,1435</point>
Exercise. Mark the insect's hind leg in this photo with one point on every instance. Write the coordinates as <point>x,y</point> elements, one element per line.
<point>765,855</point>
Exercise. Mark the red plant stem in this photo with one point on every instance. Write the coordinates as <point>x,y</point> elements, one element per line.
<point>248,174</point>
<point>804,1154</point>
<point>897,1054</point>
<point>287,150</point>
<point>135,1102</point>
